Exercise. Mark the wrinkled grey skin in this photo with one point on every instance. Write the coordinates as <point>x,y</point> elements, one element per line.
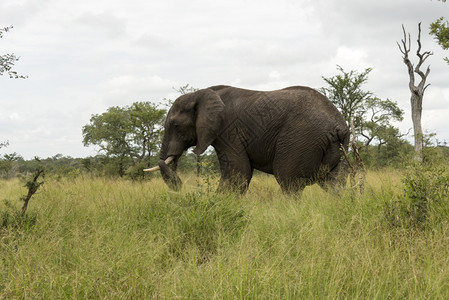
<point>294,133</point>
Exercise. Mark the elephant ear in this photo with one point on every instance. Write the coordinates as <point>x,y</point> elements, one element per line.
<point>209,115</point>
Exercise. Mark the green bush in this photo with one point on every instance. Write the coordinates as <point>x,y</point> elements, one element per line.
<point>424,202</point>
<point>136,172</point>
<point>11,218</point>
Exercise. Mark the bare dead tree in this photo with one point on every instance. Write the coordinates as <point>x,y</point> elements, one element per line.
<point>417,91</point>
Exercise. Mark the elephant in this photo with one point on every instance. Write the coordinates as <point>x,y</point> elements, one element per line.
<point>294,133</point>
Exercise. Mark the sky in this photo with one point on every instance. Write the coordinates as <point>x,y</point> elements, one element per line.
<point>82,57</point>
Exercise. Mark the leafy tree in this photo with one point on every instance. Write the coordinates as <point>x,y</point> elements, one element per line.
<point>146,120</point>
<point>111,132</point>
<point>9,166</point>
<point>345,91</point>
<point>7,61</point>
<point>440,30</point>
<point>125,134</point>
<point>371,116</point>
<point>376,121</point>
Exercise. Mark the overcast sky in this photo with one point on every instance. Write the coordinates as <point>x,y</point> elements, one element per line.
<point>82,57</point>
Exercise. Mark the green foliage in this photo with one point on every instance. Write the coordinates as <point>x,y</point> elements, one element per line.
<point>424,203</point>
<point>110,131</point>
<point>9,165</point>
<point>146,123</point>
<point>126,134</point>
<point>396,153</point>
<point>377,116</point>
<point>12,219</point>
<point>135,172</point>
<point>440,30</point>
<point>7,61</point>
<point>345,91</point>
<point>372,116</point>
<point>4,144</point>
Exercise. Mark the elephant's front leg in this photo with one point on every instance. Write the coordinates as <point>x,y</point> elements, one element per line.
<point>236,172</point>
<point>234,183</point>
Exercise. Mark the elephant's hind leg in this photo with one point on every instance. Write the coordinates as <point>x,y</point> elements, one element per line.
<point>294,172</point>
<point>335,180</point>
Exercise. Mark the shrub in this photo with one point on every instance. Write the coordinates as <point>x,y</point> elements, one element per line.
<point>424,202</point>
<point>11,217</point>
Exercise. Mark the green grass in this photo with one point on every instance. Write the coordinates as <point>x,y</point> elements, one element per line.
<point>96,238</point>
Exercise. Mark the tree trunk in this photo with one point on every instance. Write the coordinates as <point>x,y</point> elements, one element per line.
<point>168,173</point>
<point>417,128</point>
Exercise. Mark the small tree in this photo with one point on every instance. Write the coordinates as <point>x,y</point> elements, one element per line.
<point>32,185</point>
<point>9,164</point>
<point>127,133</point>
<point>417,91</point>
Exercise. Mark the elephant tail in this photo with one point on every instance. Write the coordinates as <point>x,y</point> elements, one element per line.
<point>343,136</point>
<point>333,151</point>
<point>337,167</point>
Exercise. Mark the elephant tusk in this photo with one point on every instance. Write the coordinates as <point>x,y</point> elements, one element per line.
<point>152,169</point>
<point>157,168</point>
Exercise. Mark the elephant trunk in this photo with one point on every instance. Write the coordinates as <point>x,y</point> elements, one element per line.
<point>168,172</point>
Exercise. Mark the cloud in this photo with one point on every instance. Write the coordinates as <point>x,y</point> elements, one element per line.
<point>84,56</point>
<point>19,12</point>
<point>103,23</point>
<point>351,58</point>
<point>129,88</point>
<point>151,41</point>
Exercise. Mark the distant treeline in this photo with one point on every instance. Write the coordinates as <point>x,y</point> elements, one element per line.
<point>13,165</point>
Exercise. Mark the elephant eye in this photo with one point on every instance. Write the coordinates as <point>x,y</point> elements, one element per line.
<point>173,123</point>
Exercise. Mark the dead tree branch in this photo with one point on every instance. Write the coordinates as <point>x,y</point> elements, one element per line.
<point>357,172</point>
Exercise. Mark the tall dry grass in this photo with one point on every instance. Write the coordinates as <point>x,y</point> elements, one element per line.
<point>100,238</point>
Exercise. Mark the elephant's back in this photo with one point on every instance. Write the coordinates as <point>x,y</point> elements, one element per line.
<point>306,103</point>
<point>294,103</point>
<point>310,114</point>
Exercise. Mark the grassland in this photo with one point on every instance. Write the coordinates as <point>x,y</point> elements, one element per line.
<point>97,238</point>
